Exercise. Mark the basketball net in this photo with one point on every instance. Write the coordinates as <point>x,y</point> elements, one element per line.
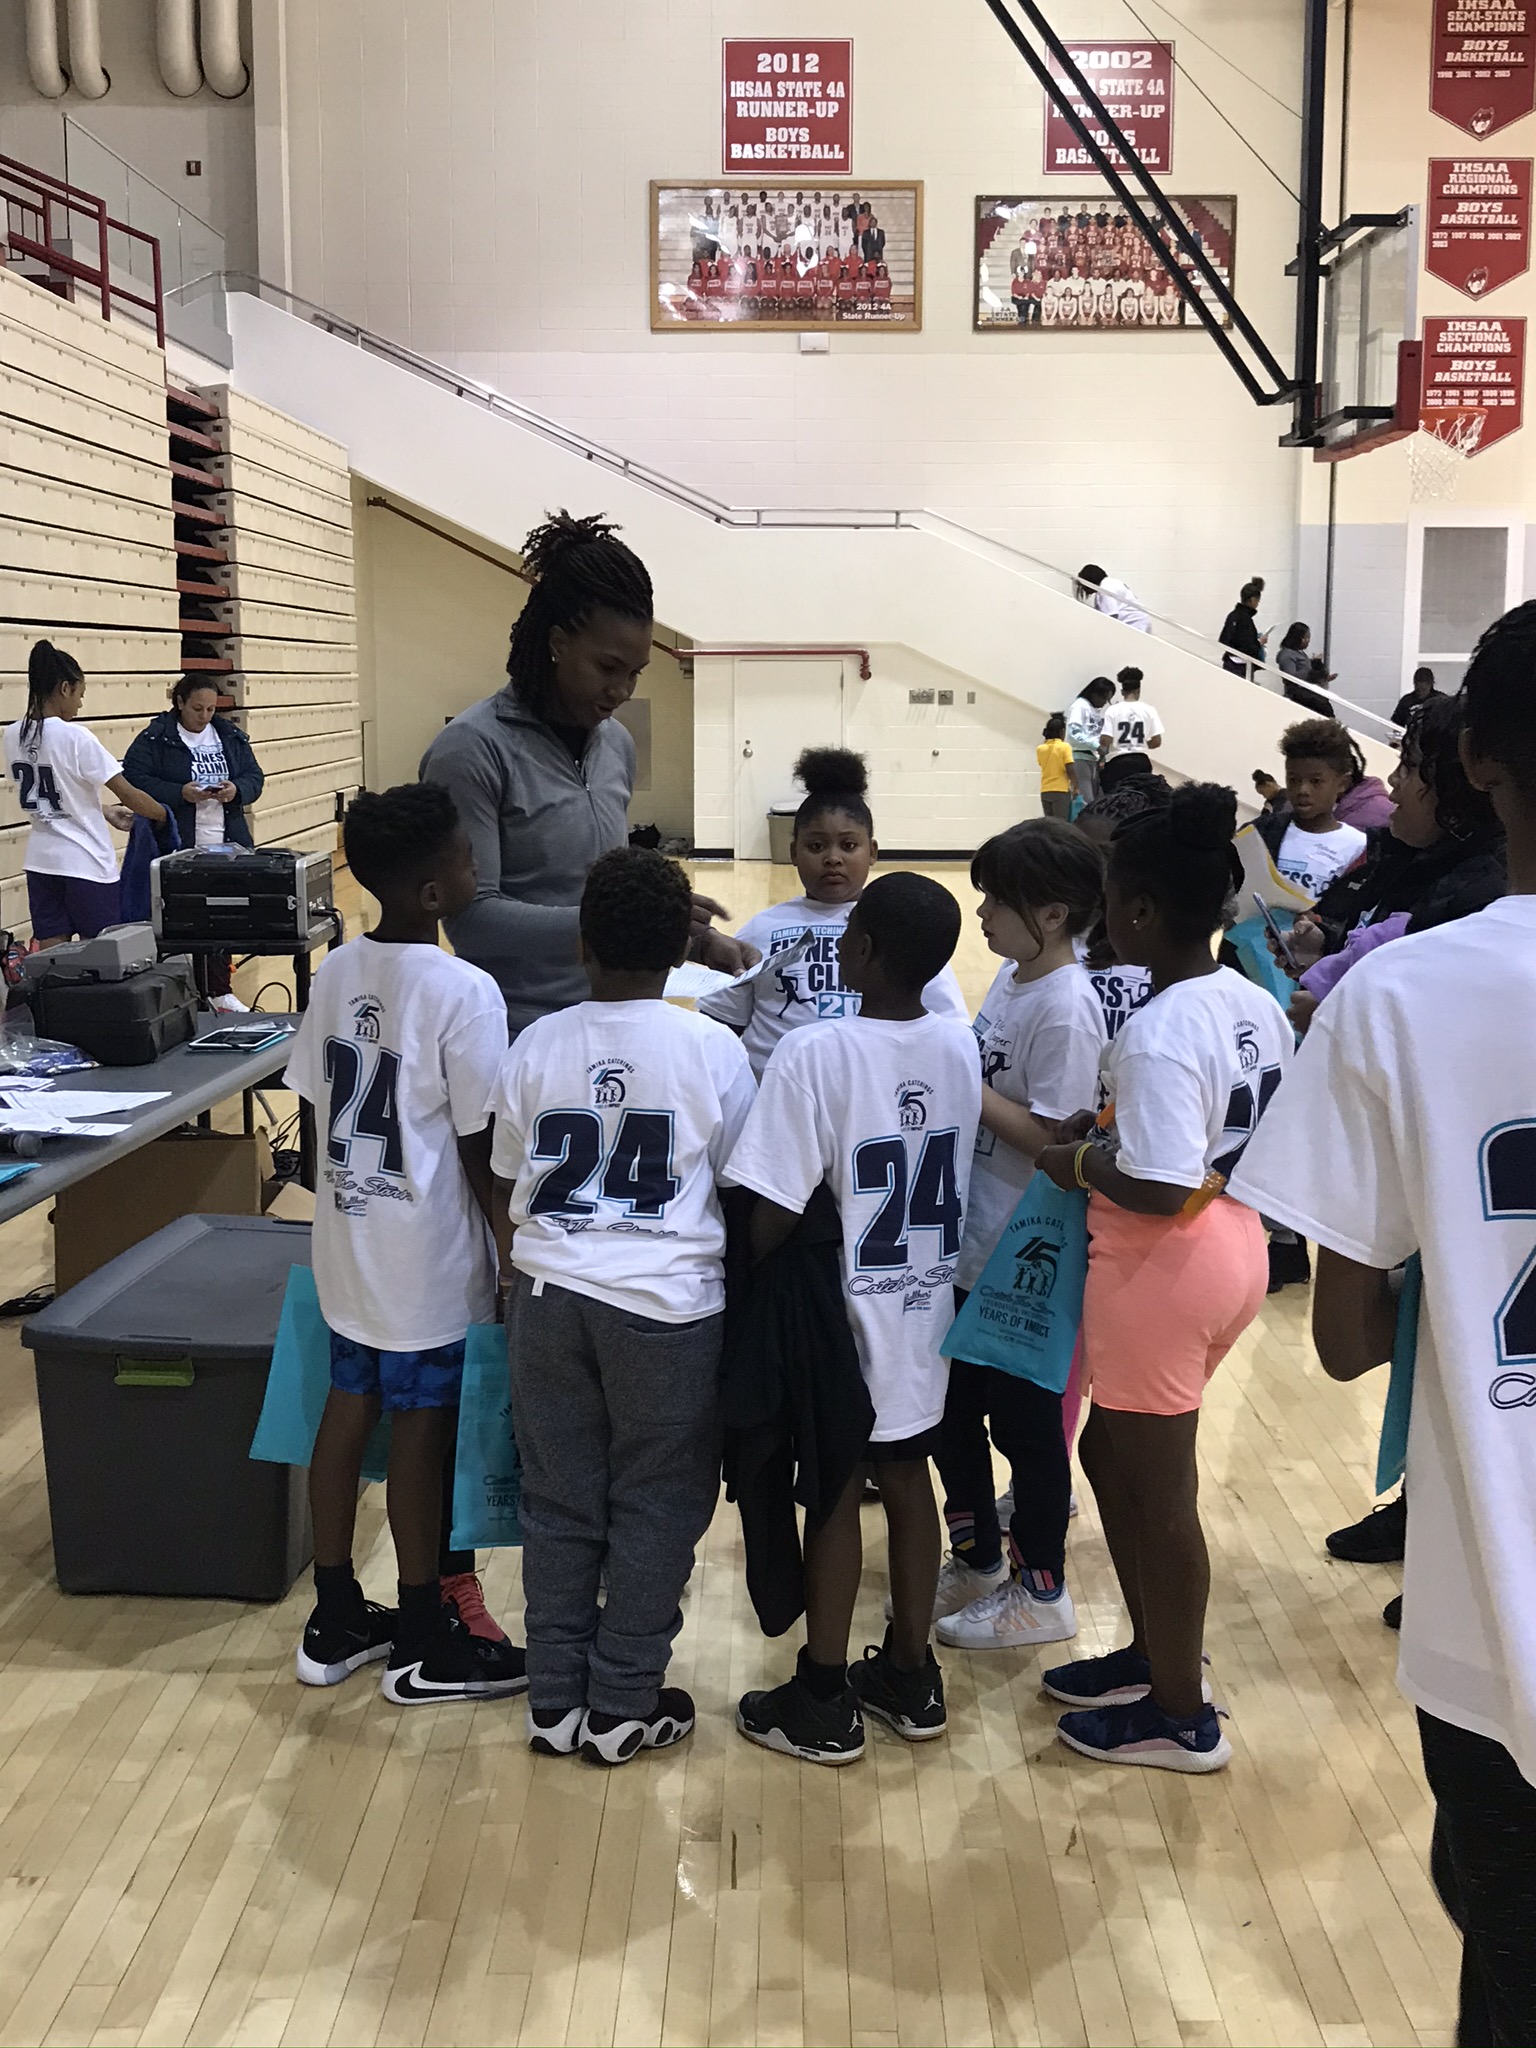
<point>1437,454</point>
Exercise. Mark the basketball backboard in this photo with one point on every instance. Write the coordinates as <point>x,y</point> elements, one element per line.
<point>1371,360</point>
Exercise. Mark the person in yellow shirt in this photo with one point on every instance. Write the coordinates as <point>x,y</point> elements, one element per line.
<point>1058,778</point>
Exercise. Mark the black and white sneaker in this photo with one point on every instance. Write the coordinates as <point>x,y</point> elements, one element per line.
<point>553,1731</point>
<point>911,1702</point>
<point>615,1738</point>
<point>449,1665</point>
<point>793,1721</point>
<point>329,1653</point>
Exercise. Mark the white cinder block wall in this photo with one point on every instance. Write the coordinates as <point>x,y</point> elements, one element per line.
<point>473,178</point>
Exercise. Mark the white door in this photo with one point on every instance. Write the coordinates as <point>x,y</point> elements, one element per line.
<point>782,707</point>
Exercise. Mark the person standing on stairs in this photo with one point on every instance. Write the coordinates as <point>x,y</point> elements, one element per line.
<point>1107,594</point>
<point>1240,633</point>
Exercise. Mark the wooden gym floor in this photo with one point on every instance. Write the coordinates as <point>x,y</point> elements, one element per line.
<point>195,1849</point>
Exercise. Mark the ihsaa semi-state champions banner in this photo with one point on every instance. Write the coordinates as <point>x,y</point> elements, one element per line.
<point>1482,75</point>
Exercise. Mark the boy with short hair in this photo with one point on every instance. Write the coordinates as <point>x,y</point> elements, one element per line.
<point>399,1050</point>
<point>1319,767</point>
<point>613,1122</point>
<point>883,1108</point>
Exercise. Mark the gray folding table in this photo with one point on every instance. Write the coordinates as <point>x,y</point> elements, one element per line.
<point>196,1081</point>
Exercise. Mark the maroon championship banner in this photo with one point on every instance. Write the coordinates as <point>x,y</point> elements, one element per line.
<point>1134,81</point>
<point>1482,74</point>
<point>788,106</point>
<point>1474,369</point>
<point>1477,226</point>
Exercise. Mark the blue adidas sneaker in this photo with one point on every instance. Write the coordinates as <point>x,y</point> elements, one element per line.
<point>1141,1733</point>
<point>1114,1680</point>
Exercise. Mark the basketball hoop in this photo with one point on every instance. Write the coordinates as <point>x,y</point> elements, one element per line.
<point>1436,454</point>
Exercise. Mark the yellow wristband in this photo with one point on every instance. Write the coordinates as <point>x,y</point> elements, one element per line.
<point>1077,1165</point>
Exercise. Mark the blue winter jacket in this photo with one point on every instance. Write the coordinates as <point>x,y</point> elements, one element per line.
<point>159,762</point>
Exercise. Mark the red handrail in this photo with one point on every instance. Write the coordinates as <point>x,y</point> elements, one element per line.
<point>40,193</point>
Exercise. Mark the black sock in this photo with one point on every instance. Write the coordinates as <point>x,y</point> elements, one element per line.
<point>337,1593</point>
<point>906,1670</point>
<point>821,1681</point>
<point>450,1563</point>
<point>421,1609</point>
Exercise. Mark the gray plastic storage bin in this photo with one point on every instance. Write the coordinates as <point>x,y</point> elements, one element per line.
<point>150,1377</point>
<point>781,833</point>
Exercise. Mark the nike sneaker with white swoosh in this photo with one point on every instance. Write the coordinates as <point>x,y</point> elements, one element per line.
<point>330,1652</point>
<point>449,1665</point>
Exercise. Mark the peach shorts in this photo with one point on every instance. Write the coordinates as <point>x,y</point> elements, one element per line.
<point>1166,1300</point>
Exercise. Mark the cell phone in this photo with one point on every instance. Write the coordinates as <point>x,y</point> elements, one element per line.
<point>1279,934</point>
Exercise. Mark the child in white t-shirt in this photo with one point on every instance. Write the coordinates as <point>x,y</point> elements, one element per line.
<point>398,1051</point>
<point>60,769</point>
<point>1176,1271</point>
<point>833,849</point>
<point>1041,1033</point>
<point>1319,769</point>
<point>614,1120</point>
<point>883,1109</point>
<point>1383,1146</point>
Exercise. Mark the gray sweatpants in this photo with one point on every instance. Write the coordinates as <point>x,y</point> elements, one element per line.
<point>618,1427</point>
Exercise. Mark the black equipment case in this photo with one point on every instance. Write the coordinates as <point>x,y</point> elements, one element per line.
<point>242,896</point>
<point>124,1023</point>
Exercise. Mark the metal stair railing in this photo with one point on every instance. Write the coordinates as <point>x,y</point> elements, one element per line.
<point>738,517</point>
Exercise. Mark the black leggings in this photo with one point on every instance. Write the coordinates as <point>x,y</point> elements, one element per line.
<point>1026,1427</point>
<point>1483,1861</point>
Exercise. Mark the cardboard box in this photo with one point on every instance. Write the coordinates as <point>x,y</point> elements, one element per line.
<point>186,1173</point>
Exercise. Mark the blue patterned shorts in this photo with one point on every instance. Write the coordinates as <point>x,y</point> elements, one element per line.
<point>399,1379</point>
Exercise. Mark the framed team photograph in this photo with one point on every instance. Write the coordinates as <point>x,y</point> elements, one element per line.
<point>757,258</point>
<point>1082,263</point>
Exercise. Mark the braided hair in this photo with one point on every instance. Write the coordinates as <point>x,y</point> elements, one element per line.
<point>577,567</point>
<point>1498,697</point>
<point>48,667</point>
<point>1181,855</point>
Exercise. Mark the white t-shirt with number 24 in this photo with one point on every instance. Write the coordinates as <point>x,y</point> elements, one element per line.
<point>1191,1074</point>
<point>885,1113</point>
<point>59,772</point>
<point>614,1122</point>
<point>398,1051</point>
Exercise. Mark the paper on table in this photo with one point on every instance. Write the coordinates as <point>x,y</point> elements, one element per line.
<point>1262,878</point>
<point>28,1113</point>
<point>76,1102</point>
<point>692,981</point>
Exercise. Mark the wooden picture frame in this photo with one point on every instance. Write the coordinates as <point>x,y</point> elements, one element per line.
<point>767,235</point>
<point>1097,280</point>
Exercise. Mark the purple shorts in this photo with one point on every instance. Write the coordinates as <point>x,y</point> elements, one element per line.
<point>64,907</point>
